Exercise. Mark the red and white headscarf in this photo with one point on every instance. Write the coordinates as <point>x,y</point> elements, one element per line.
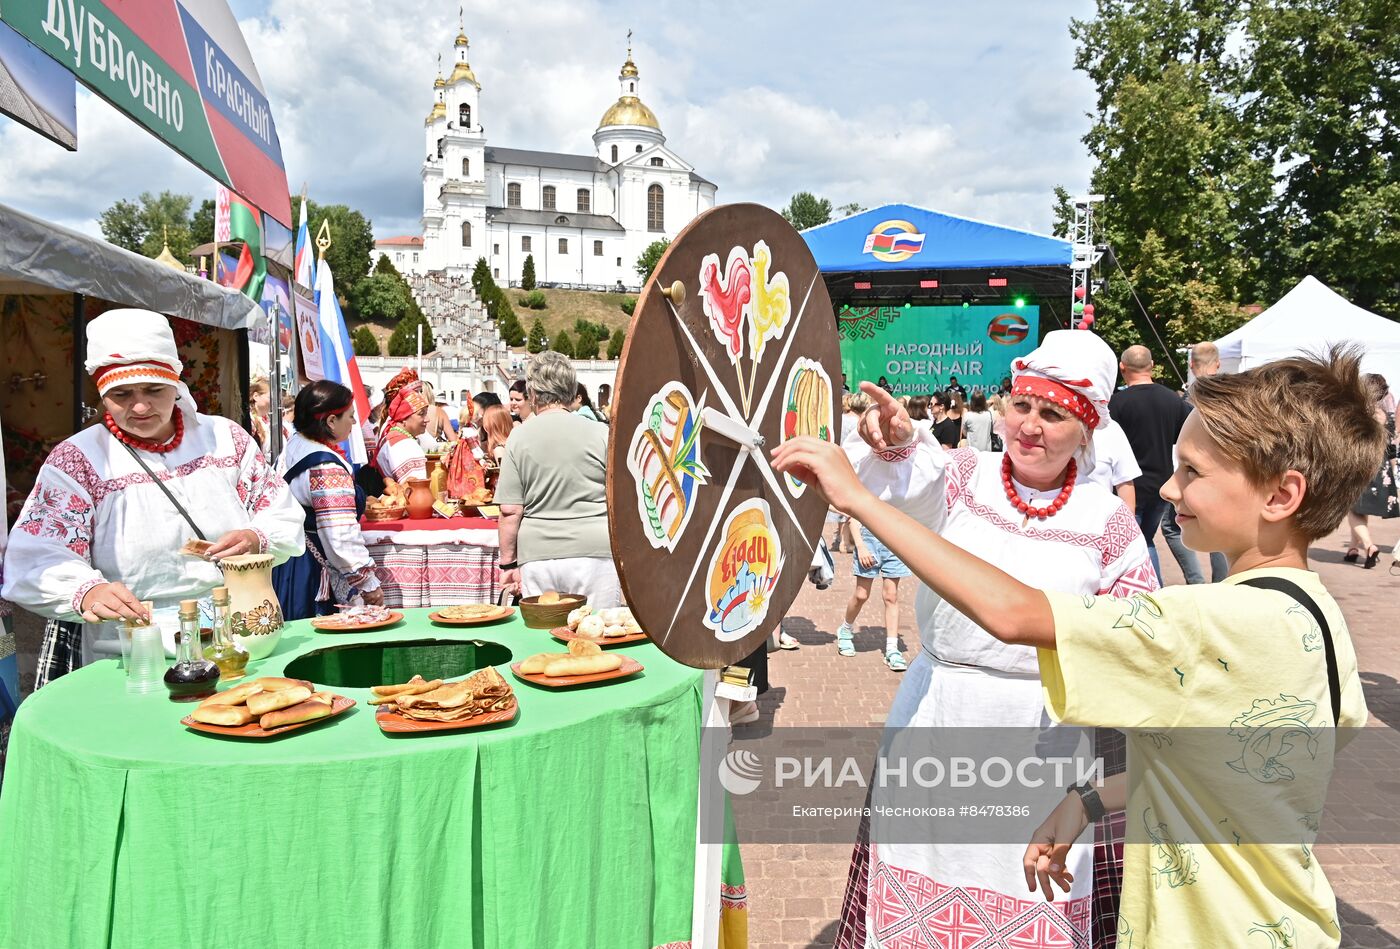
<point>1075,369</point>
<point>406,396</point>
<point>136,347</point>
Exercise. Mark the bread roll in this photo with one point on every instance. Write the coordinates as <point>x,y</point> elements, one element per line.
<point>536,663</point>
<point>325,698</point>
<point>234,696</point>
<point>582,665</point>
<point>304,712</point>
<point>222,714</point>
<point>278,683</point>
<point>548,598</point>
<point>584,647</point>
<point>591,627</point>
<point>264,702</point>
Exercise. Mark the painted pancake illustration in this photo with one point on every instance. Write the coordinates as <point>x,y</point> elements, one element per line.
<point>665,462</point>
<point>807,410</point>
<point>743,572</point>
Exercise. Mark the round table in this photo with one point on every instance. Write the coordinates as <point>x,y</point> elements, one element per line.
<point>572,825</point>
<point>435,561</point>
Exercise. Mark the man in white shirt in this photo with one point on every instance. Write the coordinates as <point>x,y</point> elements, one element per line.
<point>1115,465</point>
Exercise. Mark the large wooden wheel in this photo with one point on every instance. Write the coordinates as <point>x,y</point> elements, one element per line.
<point>732,349</point>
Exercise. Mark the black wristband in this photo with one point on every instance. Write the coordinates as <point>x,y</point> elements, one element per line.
<point>510,566</point>
<point>1093,804</point>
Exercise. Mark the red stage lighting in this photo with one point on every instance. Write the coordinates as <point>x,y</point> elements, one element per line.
<point>996,281</point>
<point>862,284</point>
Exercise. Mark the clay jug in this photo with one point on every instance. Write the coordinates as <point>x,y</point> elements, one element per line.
<point>255,613</point>
<point>420,498</point>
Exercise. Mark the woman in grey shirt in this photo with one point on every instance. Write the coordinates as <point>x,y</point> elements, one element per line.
<point>977,423</point>
<point>553,494</point>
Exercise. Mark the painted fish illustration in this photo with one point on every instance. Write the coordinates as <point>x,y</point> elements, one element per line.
<point>1270,731</point>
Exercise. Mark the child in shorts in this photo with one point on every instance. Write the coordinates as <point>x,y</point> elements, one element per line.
<point>1270,461</point>
<point>872,560</point>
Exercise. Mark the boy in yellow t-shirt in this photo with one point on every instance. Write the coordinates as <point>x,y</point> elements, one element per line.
<point>1208,678</point>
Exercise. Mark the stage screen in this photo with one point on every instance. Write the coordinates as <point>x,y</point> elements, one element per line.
<point>918,348</point>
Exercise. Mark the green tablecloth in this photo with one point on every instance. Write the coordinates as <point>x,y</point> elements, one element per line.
<point>572,826</point>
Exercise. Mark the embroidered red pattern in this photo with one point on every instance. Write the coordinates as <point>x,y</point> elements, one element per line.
<point>58,513</point>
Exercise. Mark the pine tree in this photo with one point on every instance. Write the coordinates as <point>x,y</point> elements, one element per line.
<point>539,338</point>
<point>562,344</point>
<point>404,340</point>
<point>510,329</point>
<point>481,275</point>
<point>616,343</point>
<point>365,343</point>
<point>527,278</point>
<point>586,345</point>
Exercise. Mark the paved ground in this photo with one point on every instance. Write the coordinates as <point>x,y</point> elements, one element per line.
<point>795,890</point>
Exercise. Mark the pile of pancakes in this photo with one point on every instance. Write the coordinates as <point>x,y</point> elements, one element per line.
<point>479,611</point>
<point>433,700</point>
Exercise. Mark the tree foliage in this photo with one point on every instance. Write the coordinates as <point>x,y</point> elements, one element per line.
<point>850,208</point>
<point>562,344</point>
<point>807,210</point>
<point>646,263</point>
<point>538,341</point>
<point>364,342</point>
<point>619,339</point>
<point>404,340</point>
<point>143,225</point>
<point>527,274</point>
<point>481,275</point>
<point>510,329</point>
<point>1240,147</point>
<point>352,243</point>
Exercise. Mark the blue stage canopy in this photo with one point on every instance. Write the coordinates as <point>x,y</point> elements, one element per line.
<point>901,237</point>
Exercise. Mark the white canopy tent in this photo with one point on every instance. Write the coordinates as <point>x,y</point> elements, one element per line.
<point>1308,319</point>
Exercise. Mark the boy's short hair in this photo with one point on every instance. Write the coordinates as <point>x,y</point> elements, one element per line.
<point>1311,414</point>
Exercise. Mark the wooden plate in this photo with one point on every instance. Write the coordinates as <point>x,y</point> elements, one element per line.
<point>503,612</point>
<point>254,730</point>
<point>396,723</point>
<point>564,634</point>
<point>326,624</point>
<point>629,667</point>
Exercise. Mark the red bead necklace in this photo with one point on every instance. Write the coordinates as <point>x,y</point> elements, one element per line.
<point>333,446</point>
<point>155,448</point>
<point>1053,508</point>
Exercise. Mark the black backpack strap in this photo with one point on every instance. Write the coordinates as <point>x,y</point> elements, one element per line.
<point>1334,679</point>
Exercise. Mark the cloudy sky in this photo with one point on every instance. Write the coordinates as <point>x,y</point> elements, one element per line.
<point>971,109</point>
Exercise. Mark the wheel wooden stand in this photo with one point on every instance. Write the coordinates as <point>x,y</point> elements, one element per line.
<point>732,350</point>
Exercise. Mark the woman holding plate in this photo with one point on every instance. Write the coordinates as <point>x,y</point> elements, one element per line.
<point>1021,510</point>
<point>114,506</point>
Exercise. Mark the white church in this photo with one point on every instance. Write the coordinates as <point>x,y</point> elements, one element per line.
<point>585,218</point>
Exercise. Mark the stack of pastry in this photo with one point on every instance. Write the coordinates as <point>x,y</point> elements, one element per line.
<point>603,624</point>
<point>433,700</point>
<point>583,658</point>
<point>391,504</point>
<point>272,701</point>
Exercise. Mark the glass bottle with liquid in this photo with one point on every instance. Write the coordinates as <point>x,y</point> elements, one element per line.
<point>192,677</point>
<point>231,658</point>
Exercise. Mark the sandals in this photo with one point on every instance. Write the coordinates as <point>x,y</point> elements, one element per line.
<point>895,660</point>
<point>1373,557</point>
<point>787,642</point>
<point>845,641</point>
<point>744,713</point>
<point>1352,555</point>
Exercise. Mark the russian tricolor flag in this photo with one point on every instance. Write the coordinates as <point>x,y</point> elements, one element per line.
<point>338,356</point>
<point>304,271</point>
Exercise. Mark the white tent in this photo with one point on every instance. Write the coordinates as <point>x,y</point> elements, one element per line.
<point>1308,319</point>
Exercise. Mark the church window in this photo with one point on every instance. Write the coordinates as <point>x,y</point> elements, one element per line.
<point>496,273</point>
<point>466,167</point>
<point>439,148</point>
<point>597,248</point>
<point>525,245</point>
<point>464,116</point>
<point>513,195</point>
<point>415,258</point>
<point>585,201</point>
<point>631,87</point>
<point>656,208</point>
<point>619,261</point>
<point>547,196</point>
<point>656,163</point>
<point>563,245</point>
<point>495,248</point>
<point>639,149</point>
<point>614,154</point>
<point>466,233</point>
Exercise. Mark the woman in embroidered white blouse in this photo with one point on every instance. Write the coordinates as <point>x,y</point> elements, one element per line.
<point>98,535</point>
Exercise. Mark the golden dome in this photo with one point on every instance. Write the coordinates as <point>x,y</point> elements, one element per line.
<point>629,68</point>
<point>439,82</point>
<point>439,112</point>
<point>629,110</point>
<point>461,39</point>
<point>169,259</point>
<point>463,71</point>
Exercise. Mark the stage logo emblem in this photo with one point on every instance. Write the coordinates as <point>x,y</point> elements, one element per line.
<point>1008,329</point>
<point>893,241</point>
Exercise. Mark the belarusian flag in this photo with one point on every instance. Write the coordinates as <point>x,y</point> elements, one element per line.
<point>237,220</point>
